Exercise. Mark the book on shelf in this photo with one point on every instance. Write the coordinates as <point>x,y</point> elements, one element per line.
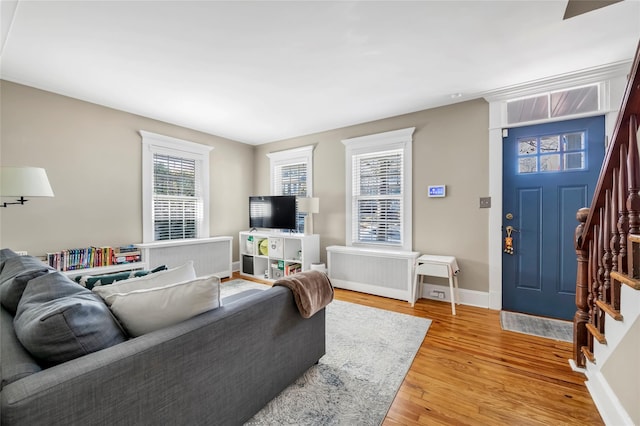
<point>292,268</point>
<point>92,257</point>
<point>127,257</point>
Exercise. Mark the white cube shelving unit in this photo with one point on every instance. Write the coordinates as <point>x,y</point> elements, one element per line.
<point>272,255</point>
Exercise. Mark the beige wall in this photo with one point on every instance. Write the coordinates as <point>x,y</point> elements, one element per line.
<point>92,155</point>
<point>450,146</point>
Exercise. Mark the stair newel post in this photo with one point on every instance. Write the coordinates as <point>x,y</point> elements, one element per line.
<point>581,317</point>
<point>623,214</point>
<point>633,198</point>
<point>606,245</point>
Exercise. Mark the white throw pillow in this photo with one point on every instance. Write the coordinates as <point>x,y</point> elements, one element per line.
<point>180,274</point>
<point>146,310</point>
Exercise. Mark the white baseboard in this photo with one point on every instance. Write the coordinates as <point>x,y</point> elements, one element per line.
<point>609,406</point>
<point>467,297</point>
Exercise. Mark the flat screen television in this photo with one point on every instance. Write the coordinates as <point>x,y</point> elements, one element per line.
<point>272,211</point>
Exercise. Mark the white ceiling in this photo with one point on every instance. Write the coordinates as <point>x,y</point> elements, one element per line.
<point>260,71</point>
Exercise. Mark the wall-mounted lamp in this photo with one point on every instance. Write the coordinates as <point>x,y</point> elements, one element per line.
<point>308,205</point>
<point>23,182</point>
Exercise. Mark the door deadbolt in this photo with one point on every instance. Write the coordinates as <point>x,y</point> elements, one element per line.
<point>509,216</point>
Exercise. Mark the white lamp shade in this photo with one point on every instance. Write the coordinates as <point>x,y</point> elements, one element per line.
<point>309,205</point>
<point>24,182</point>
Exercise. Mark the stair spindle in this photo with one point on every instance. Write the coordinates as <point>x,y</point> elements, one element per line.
<point>614,243</point>
<point>606,246</point>
<point>599,282</point>
<point>633,198</point>
<point>591,299</point>
<point>623,214</point>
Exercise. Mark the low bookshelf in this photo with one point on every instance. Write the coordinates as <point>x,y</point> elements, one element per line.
<point>273,255</point>
<point>96,260</point>
<point>101,270</point>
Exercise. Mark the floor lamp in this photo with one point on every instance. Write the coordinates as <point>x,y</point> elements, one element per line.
<point>308,205</point>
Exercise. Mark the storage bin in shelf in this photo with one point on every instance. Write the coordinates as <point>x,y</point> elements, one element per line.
<point>254,245</point>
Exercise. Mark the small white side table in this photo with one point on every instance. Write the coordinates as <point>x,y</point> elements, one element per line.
<point>437,266</point>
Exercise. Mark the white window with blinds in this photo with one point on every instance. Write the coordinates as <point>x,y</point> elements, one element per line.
<point>290,179</point>
<point>175,185</point>
<point>291,174</point>
<point>379,190</point>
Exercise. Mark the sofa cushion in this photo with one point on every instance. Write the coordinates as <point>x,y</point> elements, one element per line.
<point>5,254</point>
<point>16,273</point>
<point>16,361</point>
<point>182,273</point>
<point>91,281</point>
<point>57,320</point>
<point>146,310</point>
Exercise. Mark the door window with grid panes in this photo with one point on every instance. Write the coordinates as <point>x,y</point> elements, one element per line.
<point>552,153</point>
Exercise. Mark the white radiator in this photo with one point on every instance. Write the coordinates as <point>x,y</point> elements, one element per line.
<point>210,255</point>
<point>385,273</point>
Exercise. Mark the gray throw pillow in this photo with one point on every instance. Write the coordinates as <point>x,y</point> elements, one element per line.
<point>16,273</point>
<point>58,320</point>
<point>91,281</point>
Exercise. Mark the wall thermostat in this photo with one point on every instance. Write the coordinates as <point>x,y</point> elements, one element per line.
<point>437,191</point>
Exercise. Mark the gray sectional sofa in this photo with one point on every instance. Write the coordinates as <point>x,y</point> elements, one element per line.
<point>217,368</point>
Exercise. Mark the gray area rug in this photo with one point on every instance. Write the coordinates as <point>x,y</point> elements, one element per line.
<point>369,352</point>
<point>537,326</point>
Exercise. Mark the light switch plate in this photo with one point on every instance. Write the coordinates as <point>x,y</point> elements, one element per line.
<point>485,202</point>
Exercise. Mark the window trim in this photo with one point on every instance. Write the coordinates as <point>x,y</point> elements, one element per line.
<point>153,143</point>
<point>395,139</point>
<point>303,154</point>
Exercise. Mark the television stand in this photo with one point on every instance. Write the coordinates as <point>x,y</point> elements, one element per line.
<point>273,255</point>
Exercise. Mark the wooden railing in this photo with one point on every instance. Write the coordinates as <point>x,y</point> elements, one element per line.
<point>607,239</point>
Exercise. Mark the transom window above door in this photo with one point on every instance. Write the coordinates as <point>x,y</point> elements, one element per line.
<point>553,105</point>
<point>552,153</point>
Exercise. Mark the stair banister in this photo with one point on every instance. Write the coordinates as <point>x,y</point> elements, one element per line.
<point>601,239</point>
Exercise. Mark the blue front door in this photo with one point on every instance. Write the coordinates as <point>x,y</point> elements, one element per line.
<point>549,172</point>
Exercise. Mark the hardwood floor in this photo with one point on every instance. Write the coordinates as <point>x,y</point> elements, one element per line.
<point>469,371</point>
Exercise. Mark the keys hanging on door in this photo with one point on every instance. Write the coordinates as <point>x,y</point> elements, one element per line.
<point>508,240</point>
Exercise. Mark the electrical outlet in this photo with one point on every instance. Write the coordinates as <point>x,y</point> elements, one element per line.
<point>438,294</point>
<point>485,202</point>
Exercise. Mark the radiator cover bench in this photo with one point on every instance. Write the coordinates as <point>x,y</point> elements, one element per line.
<point>382,272</point>
<point>210,255</point>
